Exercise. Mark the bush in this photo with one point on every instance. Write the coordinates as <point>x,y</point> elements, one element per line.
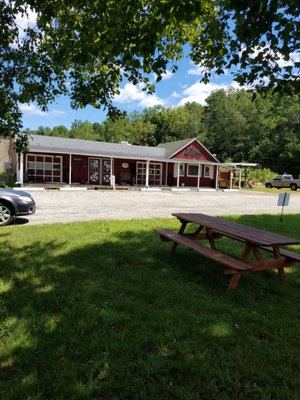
<point>261,175</point>
<point>7,179</point>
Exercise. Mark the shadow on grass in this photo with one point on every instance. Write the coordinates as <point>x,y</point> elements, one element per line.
<point>123,319</point>
<point>20,221</point>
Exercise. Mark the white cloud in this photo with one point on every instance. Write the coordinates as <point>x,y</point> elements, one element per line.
<point>166,76</point>
<point>135,93</point>
<point>33,110</point>
<point>198,70</point>
<point>293,58</point>
<point>25,21</point>
<point>199,91</point>
<point>151,101</point>
<point>175,95</point>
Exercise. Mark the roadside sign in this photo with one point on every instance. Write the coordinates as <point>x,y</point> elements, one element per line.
<point>283,201</point>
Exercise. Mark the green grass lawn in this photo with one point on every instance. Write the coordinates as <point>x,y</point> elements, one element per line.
<point>263,189</point>
<point>101,310</point>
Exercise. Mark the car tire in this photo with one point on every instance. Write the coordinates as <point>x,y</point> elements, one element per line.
<point>294,186</point>
<point>268,186</point>
<point>6,214</point>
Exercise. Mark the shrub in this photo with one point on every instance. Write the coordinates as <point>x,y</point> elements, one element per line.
<point>7,179</point>
<point>261,175</point>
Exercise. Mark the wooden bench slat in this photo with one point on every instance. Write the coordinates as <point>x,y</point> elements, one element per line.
<point>208,252</point>
<point>285,253</point>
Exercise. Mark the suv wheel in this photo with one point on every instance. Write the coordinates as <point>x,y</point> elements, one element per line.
<point>294,186</point>
<point>268,185</point>
<point>6,215</point>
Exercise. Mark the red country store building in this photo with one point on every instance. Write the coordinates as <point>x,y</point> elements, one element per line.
<point>54,160</point>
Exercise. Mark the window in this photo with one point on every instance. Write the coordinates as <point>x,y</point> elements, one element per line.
<point>106,166</point>
<point>155,170</point>
<point>181,170</point>
<point>208,171</point>
<point>43,168</point>
<point>192,170</point>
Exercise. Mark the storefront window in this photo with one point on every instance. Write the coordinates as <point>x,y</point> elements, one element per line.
<point>42,168</point>
<point>181,170</point>
<point>208,171</point>
<point>106,166</point>
<point>192,170</point>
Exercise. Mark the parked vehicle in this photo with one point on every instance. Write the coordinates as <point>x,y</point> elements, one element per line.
<point>14,203</point>
<point>283,181</point>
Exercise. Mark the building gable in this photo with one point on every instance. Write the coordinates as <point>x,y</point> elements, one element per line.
<point>194,150</point>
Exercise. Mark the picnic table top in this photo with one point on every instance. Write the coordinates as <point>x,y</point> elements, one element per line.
<point>236,230</point>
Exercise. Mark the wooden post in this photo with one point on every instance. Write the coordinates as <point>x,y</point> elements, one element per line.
<point>70,169</point>
<point>178,173</point>
<point>147,173</point>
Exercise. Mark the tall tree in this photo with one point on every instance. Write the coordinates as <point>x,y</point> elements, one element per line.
<point>142,132</point>
<point>195,124</point>
<point>86,48</point>
<point>225,124</point>
<point>82,130</point>
<point>44,131</point>
<point>236,124</point>
<point>99,131</point>
<point>60,131</point>
<point>117,130</point>
<point>279,147</point>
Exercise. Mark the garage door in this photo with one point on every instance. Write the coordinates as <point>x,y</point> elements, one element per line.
<point>154,174</point>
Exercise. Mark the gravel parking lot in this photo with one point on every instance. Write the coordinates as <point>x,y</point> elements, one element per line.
<point>68,206</point>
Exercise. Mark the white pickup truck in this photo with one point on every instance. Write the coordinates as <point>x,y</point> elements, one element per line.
<point>283,181</point>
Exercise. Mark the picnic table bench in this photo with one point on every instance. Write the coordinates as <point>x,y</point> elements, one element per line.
<point>211,228</point>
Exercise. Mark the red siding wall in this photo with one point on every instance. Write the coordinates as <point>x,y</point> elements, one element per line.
<point>125,169</point>
<point>194,151</point>
<point>80,169</point>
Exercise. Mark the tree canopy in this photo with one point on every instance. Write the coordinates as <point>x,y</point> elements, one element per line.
<point>86,48</point>
<point>232,125</point>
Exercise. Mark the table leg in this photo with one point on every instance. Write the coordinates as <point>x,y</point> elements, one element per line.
<point>281,272</point>
<point>182,228</point>
<point>234,281</point>
<point>210,237</point>
<point>180,232</point>
<point>251,248</point>
<point>246,252</point>
<point>197,231</point>
<point>257,253</point>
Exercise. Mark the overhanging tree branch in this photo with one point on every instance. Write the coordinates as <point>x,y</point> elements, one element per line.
<point>85,49</point>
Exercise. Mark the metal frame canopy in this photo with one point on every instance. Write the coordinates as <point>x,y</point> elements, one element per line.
<point>239,166</point>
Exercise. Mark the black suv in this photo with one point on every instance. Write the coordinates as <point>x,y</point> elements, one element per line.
<point>14,203</point>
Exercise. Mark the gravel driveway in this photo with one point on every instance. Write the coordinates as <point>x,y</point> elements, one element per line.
<point>68,206</point>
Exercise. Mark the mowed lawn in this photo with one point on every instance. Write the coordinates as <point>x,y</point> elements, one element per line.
<point>101,310</point>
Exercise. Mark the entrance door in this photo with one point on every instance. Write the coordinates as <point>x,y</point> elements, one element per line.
<point>154,173</point>
<point>94,171</point>
<point>106,172</point>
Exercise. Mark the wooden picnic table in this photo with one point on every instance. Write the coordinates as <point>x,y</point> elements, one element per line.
<point>257,243</point>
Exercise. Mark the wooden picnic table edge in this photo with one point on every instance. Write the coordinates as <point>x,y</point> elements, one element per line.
<point>229,228</point>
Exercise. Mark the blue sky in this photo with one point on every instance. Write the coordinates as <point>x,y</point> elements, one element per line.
<point>174,90</point>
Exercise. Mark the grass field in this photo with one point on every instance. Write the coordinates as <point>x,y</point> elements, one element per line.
<point>262,188</point>
<point>101,310</point>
